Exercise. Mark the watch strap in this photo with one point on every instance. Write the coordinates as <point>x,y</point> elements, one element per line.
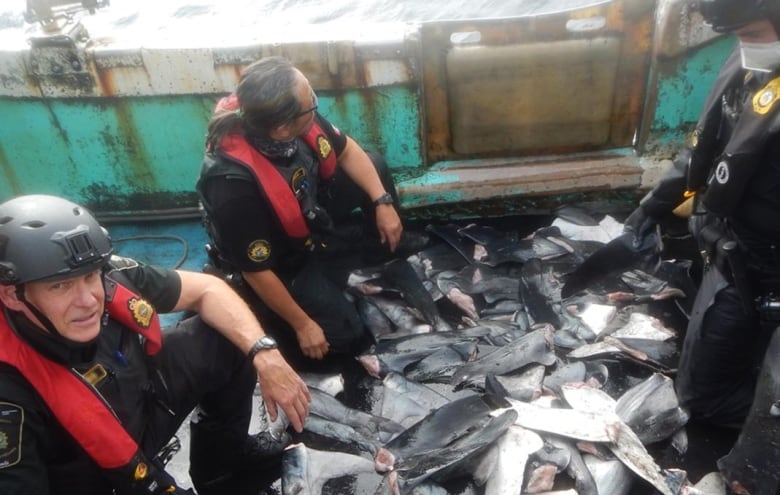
<point>385,199</point>
<point>263,343</point>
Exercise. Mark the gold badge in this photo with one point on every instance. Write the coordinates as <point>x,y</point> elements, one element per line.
<point>765,99</point>
<point>259,250</point>
<point>142,311</point>
<point>324,146</point>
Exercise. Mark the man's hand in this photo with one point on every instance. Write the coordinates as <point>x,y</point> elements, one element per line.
<point>312,340</point>
<point>282,387</point>
<point>389,226</point>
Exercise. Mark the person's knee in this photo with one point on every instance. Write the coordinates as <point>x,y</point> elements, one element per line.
<point>348,336</point>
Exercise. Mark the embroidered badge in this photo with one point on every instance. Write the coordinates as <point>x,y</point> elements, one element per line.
<point>299,183</point>
<point>11,421</point>
<point>142,311</point>
<point>764,100</point>
<point>259,250</point>
<point>722,173</point>
<point>324,146</point>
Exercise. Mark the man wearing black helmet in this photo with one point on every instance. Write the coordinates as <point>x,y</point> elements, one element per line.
<point>731,168</point>
<point>91,389</point>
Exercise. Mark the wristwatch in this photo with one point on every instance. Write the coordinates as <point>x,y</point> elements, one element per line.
<point>263,343</point>
<point>384,199</point>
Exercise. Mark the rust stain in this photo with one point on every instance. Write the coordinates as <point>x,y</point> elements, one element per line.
<point>8,173</point>
<point>138,169</point>
<point>105,78</point>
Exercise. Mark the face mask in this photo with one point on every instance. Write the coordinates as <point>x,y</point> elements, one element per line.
<point>763,57</point>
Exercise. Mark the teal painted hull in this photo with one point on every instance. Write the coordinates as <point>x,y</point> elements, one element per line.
<point>121,129</point>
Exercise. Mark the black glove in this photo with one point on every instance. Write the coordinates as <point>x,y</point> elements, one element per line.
<point>641,225</point>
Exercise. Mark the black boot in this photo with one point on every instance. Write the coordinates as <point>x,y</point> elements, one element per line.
<point>262,448</point>
<point>216,468</point>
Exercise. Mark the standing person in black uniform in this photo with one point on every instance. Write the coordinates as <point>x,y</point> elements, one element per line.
<point>732,168</point>
<point>91,389</point>
<point>280,186</point>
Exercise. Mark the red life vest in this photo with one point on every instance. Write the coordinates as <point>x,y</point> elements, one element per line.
<point>134,313</point>
<point>271,182</point>
<point>78,407</point>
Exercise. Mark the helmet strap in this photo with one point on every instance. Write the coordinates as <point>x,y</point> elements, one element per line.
<point>45,321</point>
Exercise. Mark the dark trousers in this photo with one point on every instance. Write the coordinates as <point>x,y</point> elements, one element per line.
<point>318,285</point>
<point>319,290</point>
<point>752,462</point>
<point>198,367</point>
<point>721,355</point>
<point>342,196</point>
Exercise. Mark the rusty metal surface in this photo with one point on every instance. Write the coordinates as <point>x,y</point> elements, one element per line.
<point>628,22</point>
<point>479,180</point>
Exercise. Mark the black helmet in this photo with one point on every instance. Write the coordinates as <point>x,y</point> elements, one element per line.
<point>48,238</point>
<point>728,15</point>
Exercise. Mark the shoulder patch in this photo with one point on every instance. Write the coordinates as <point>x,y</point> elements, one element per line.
<point>142,311</point>
<point>765,98</point>
<point>11,421</point>
<point>324,146</point>
<point>259,250</point>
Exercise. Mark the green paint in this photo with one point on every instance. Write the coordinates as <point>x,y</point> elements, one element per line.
<point>683,86</point>
<point>107,151</point>
<point>10,187</point>
<point>139,153</point>
<point>386,121</point>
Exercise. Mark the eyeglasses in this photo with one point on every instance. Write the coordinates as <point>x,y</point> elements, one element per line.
<point>310,110</point>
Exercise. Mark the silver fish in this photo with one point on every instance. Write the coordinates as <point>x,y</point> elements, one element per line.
<point>595,316</point>
<point>305,470</point>
<point>526,386</point>
<point>440,428</point>
<point>624,443</point>
<point>330,383</point>
<point>651,409</point>
<point>403,317</point>
<point>642,326</point>
<point>373,427</point>
<point>342,433</point>
<point>535,347</point>
<point>513,449</point>
<point>420,393</point>
<point>611,476</point>
<point>401,274</point>
<point>577,469</point>
<point>569,423</point>
<point>442,463</point>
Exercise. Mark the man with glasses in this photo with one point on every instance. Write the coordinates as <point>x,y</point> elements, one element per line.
<point>280,186</point>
